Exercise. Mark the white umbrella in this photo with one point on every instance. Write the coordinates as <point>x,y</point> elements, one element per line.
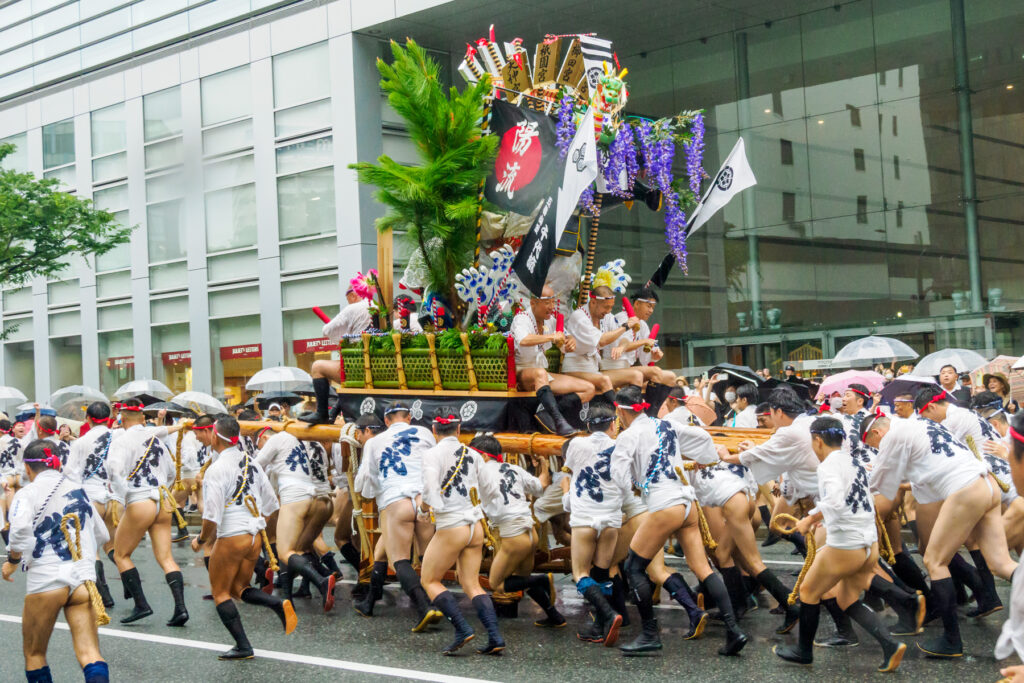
<point>72,401</point>
<point>200,402</point>
<point>138,387</point>
<point>1019,364</point>
<point>961,359</point>
<point>873,350</point>
<point>282,378</point>
<point>11,394</point>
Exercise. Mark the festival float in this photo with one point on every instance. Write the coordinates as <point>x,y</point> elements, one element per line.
<point>516,170</point>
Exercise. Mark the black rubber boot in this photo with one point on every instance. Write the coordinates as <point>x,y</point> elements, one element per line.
<point>181,530</point>
<point>766,514</point>
<point>133,587</point>
<point>798,542</point>
<point>592,632</point>
<point>655,394</point>
<point>328,562</point>
<point>485,613</point>
<point>733,580</point>
<point>282,608</point>
<point>944,601</point>
<point>777,590</point>
<point>322,389</point>
<point>259,572</point>
<point>539,588</point>
<point>448,606</point>
<point>910,573</point>
<point>618,599</point>
<point>676,587</point>
<point>318,564</point>
<point>410,582</point>
<point>351,555</point>
<point>649,639</point>
<point>988,600</point>
<point>735,639</point>
<point>303,590</point>
<point>102,587</point>
<point>375,592</point>
<point>229,616</point>
<point>964,576</point>
<point>844,636</point>
<point>909,607</point>
<point>803,652</point>
<point>892,650</point>
<point>301,565</point>
<point>549,416</point>
<point>606,618</point>
<point>177,585</point>
<point>285,581</point>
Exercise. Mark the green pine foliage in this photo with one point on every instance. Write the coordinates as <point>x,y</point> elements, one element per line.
<point>439,197</point>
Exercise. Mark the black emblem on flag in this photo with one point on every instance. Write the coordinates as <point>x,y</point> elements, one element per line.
<point>724,179</point>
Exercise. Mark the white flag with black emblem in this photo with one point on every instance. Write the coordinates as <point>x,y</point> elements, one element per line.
<point>734,176</point>
<point>595,51</point>
<point>580,172</point>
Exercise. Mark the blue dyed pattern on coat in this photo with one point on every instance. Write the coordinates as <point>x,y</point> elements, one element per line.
<point>590,477</point>
<point>391,456</point>
<point>858,497</point>
<point>96,462</point>
<point>144,475</point>
<point>48,533</point>
<point>507,483</point>
<point>454,478</point>
<point>941,439</point>
<point>661,461</point>
<point>297,458</point>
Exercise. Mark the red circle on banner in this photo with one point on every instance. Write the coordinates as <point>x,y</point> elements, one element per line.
<point>520,154</point>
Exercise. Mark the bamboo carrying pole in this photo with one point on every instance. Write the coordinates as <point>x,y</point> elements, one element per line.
<point>536,443</point>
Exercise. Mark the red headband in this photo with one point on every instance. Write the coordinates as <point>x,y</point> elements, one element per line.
<point>941,396</point>
<point>51,460</point>
<point>497,456</point>
<point>46,430</point>
<point>451,419</point>
<point>824,406</point>
<point>130,409</point>
<point>261,432</point>
<point>636,407</point>
<point>209,426</point>
<point>104,421</point>
<point>1017,435</point>
<point>858,391</point>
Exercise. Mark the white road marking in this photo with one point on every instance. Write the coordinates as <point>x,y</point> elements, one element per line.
<point>341,664</point>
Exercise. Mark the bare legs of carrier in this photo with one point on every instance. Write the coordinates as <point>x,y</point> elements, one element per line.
<point>37,621</point>
<point>140,518</point>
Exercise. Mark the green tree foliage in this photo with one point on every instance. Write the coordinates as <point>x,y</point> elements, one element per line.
<point>40,227</point>
<point>436,201</point>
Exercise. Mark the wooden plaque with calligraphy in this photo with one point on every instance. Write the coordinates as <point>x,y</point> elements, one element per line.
<point>545,63</point>
<point>572,69</point>
<point>515,78</point>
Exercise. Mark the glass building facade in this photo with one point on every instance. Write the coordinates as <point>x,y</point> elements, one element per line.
<point>885,138</point>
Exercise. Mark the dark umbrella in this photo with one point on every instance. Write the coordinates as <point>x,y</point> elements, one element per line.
<point>171,408</point>
<point>803,392</point>
<point>741,372</point>
<point>283,397</point>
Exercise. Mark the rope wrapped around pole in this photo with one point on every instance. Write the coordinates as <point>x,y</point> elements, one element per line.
<point>884,544</point>
<point>250,504</point>
<point>179,485</point>
<point>785,525</point>
<point>75,547</point>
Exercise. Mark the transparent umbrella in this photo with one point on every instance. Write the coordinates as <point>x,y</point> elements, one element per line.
<point>150,387</point>
<point>200,402</point>
<point>71,402</point>
<point>873,350</point>
<point>282,378</point>
<point>11,394</point>
<point>961,359</point>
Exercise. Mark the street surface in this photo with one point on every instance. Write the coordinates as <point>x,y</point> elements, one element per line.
<point>343,646</point>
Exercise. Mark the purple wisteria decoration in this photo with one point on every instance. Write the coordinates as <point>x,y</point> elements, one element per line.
<point>695,155</point>
<point>566,128</point>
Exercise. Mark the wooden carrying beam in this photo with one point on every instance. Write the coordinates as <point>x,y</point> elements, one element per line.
<point>537,444</point>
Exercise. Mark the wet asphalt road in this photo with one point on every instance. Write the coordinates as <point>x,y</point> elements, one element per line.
<point>353,645</point>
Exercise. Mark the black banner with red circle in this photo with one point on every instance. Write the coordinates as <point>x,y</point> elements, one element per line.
<point>527,168</point>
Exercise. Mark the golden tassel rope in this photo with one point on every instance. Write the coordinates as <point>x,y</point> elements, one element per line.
<point>702,521</point>
<point>884,544</point>
<point>777,526</point>
<point>179,485</point>
<point>166,497</point>
<point>250,503</point>
<point>115,512</point>
<point>489,539</point>
<point>75,546</point>
<point>974,449</point>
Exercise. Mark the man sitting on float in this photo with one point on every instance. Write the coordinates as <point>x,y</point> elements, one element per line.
<point>593,327</point>
<point>352,319</point>
<point>534,332</point>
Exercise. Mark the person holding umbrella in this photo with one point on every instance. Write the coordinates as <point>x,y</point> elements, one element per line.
<point>949,381</point>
